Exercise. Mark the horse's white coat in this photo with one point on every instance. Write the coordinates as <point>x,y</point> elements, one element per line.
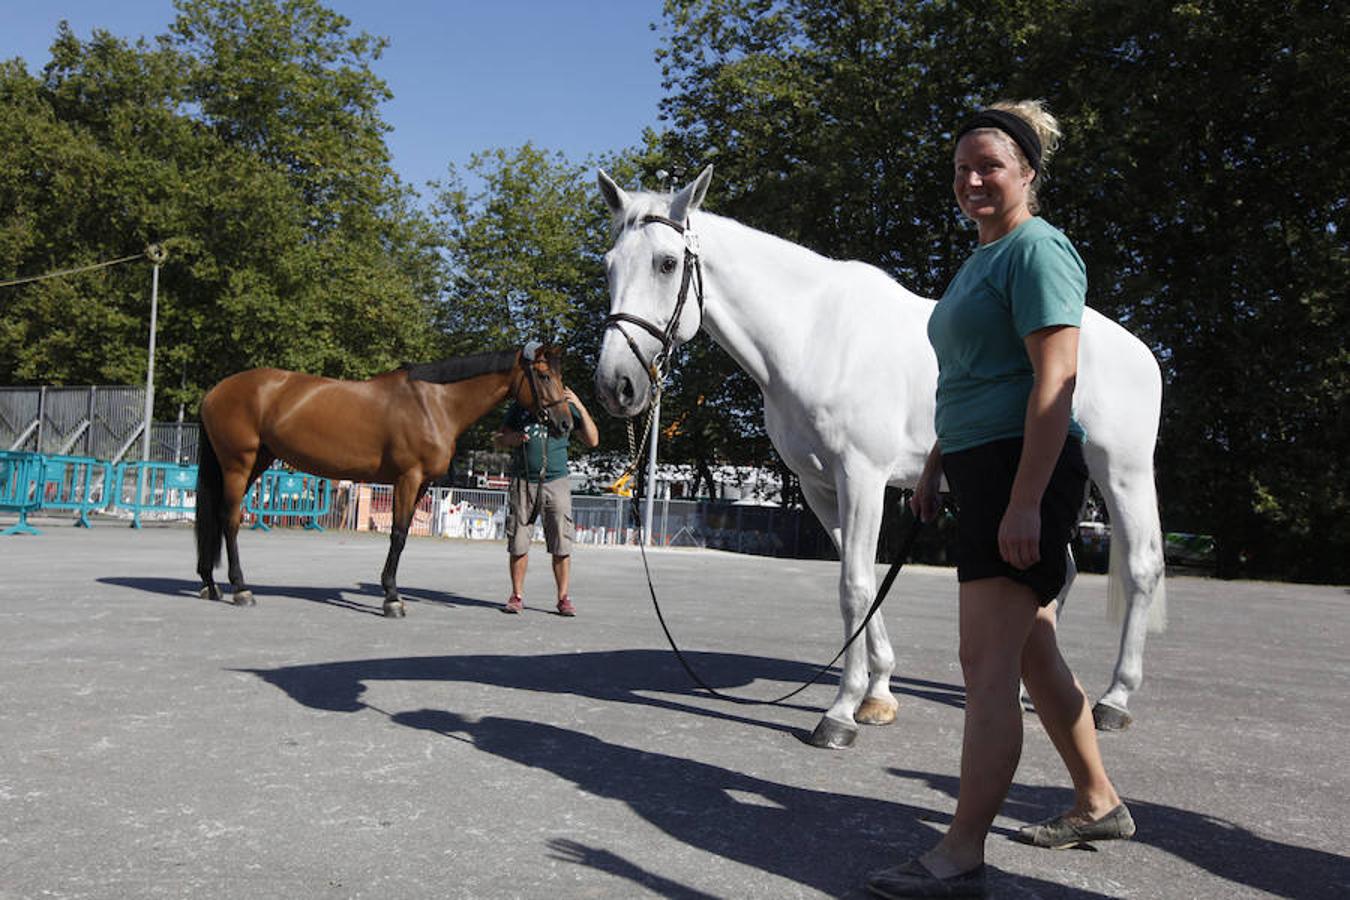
<point>841,354</point>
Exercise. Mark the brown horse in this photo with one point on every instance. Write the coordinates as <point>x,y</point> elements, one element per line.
<point>397,428</point>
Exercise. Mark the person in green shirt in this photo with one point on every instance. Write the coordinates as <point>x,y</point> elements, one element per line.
<point>1006,338</point>
<point>540,488</point>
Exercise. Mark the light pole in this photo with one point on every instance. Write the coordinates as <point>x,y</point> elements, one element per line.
<point>155,253</point>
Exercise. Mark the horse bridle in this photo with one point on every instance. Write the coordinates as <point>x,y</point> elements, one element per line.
<point>541,408</point>
<point>693,274</point>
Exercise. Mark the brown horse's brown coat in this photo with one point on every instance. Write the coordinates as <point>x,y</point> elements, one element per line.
<point>389,429</point>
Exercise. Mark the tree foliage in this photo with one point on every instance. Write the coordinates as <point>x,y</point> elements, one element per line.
<point>248,142</point>
<point>1199,179</point>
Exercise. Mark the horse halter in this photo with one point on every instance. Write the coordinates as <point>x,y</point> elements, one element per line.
<point>693,274</point>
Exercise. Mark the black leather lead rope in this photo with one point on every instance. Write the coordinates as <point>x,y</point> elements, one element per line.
<point>906,548</point>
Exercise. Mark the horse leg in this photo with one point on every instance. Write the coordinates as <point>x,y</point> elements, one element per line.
<point>1135,584</point>
<point>209,521</point>
<point>407,492</point>
<point>879,705</point>
<point>852,516</point>
<point>237,482</point>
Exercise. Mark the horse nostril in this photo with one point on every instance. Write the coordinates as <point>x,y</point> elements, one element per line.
<point>626,392</point>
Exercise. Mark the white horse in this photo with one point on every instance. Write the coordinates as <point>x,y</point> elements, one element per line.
<point>841,354</point>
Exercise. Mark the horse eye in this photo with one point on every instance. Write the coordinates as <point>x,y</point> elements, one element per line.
<point>668,265</point>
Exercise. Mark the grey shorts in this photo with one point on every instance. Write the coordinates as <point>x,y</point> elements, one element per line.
<point>555,513</point>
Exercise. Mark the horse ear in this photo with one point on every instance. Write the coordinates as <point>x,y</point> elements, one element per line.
<point>691,196</point>
<point>615,197</point>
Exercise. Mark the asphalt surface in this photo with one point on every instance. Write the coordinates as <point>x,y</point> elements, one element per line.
<point>153,744</point>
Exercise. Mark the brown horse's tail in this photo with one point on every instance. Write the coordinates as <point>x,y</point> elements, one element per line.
<point>209,524</point>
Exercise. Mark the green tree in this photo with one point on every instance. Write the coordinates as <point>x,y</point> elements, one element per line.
<point>1199,179</point>
<point>523,247</point>
<point>291,241</point>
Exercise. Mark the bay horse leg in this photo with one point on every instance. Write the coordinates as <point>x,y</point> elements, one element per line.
<point>237,482</point>
<point>408,492</point>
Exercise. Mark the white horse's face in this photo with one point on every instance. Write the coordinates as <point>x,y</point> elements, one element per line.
<point>645,268</point>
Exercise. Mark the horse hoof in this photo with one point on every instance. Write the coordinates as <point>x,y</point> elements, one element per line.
<point>395,610</point>
<point>875,711</point>
<point>832,735</point>
<point>1109,718</point>
<point>208,592</point>
<point>244,598</point>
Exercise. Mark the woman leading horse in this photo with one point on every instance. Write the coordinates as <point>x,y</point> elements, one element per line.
<point>398,428</point>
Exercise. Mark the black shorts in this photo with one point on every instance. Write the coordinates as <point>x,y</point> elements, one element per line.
<point>981,480</point>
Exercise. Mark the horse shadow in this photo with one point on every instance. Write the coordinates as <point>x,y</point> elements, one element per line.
<point>1224,849</point>
<point>822,840</point>
<point>337,597</point>
<point>645,677</point>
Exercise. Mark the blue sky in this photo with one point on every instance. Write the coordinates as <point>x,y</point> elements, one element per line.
<point>578,76</point>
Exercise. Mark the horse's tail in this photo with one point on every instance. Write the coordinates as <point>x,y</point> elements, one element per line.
<point>1137,537</point>
<point>209,524</point>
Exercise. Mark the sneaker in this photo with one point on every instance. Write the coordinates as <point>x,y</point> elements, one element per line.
<point>565,607</point>
<point>515,604</point>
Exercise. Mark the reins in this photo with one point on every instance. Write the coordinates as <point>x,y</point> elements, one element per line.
<point>906,548</point>
<point>656,373</point>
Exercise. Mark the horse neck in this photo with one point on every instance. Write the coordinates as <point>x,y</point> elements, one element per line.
<point>467,401</point>
<point>757,290</point>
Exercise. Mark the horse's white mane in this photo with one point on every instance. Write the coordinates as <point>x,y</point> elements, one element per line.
<point>649,203</point>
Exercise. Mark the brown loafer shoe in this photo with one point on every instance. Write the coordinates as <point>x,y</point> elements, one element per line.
<point>914,880</point>
<point>1059,833</point>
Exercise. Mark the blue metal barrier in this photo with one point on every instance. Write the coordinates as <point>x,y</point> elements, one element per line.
<point>155,487</point>
<point>20,487</point>
<point>77,483</point>
<point>279,494</point>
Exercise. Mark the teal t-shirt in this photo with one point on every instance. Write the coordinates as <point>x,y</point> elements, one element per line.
<point>1030,278</point>
<point>529,456</point>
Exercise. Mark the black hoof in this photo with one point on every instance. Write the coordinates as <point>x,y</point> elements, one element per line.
<point>395,610</point>
<point>832,735</point>
<point>208,592</point>
<point>244,598</point>
<point>1108,718</point>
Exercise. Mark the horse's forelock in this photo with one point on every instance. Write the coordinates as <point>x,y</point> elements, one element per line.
<point>640,205</point>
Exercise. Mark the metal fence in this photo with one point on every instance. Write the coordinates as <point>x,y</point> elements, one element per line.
<point>443,512</point>
<point>98,422</point>
<point>481,514</point>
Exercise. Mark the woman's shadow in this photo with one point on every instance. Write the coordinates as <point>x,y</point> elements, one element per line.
<point>825,841</point>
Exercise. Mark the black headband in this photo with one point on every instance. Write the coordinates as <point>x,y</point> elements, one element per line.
<point>1014,126</point>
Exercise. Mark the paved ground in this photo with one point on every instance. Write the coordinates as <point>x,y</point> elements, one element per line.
<point>156,745</point>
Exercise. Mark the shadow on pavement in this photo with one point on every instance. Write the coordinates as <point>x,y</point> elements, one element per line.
<point>624,676</point>
<point>829,842</point>
<point>1224,849</point>
<point>340,598</point>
